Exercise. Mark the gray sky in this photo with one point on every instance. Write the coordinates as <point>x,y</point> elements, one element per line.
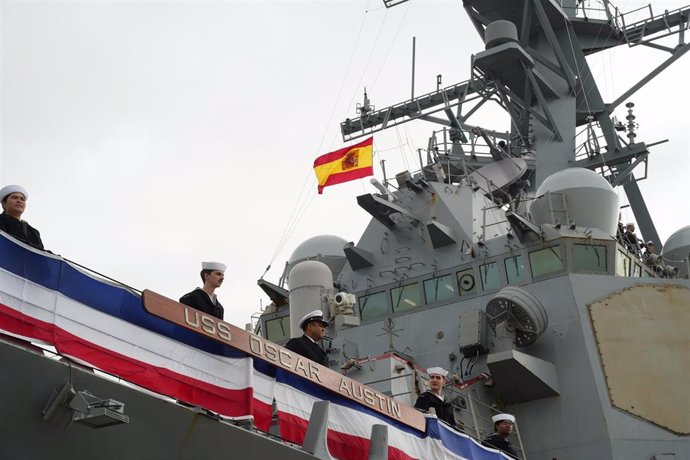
<point>153,135</point>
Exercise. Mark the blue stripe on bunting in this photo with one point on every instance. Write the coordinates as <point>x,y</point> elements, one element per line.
<point>454,441</point>
<point>322,393</point>
<point>265,368</point>
<point>53,273</point>
<point>461,445</point>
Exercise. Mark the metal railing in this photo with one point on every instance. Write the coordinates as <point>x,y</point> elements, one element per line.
<point>475,416</point>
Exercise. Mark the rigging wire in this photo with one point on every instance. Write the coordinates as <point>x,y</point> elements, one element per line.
<point>395,39</point>
<point>368,61</point>
<point>293,217</point>
<point>409,143</point>
<point>301,204</point>
<point>578,73</point>
<point>371,54</point>
<point>401,144</point>
<point>345,78</point>
<point>403,155</point>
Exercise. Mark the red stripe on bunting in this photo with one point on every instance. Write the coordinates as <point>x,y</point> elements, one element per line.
<point>231,403</point>
<point>340,445</point>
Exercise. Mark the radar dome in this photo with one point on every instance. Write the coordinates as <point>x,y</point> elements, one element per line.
<point>323,248</point>
<point>576,195</point>
<point>676,250</point>
<point>309,280</point>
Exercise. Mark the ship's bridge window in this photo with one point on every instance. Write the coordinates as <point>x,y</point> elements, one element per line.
<point>373,305</point>
<point>545,261</point>
<point>278,329</point>
<point>516,270</point>
<point>440,288</point>
<point>589,257</point>
<point>637,271</point>
<point>622,263</point>
<point>467,282</point>
<point>489,274</point>
<point>405,297</point>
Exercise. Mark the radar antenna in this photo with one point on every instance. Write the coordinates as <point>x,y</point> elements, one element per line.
<point>365,107</point>
<point>521,311</point>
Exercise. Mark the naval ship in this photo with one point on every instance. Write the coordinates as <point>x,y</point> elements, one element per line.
<point>500,259</point>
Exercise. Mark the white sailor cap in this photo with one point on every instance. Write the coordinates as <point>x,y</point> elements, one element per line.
<point>9,189</point>
<point>437,371</point>
<point>213,266</point>
<point>316,315</point>
<point>501,417</point>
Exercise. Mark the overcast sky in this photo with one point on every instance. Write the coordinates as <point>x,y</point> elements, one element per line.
<point>154,135</point>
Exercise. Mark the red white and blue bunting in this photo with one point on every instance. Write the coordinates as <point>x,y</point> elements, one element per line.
<point>44,298</point>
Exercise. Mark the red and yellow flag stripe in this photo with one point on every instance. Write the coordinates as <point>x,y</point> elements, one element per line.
<point>346,164</point>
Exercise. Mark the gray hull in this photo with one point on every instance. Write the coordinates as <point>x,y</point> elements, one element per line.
<point>158,427</point>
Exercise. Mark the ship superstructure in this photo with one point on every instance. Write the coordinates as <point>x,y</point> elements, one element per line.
<point>502,257</point>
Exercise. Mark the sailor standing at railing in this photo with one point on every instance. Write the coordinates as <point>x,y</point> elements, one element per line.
<point>434,399</point>
<point>14,199</point>
<point>312,324</point>
<point>632,241</point>
<point>650,258</point>
<point>503,424</point>
<point>204,298</point>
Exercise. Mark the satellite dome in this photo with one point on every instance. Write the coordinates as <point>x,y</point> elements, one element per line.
<point>677,249</point>
<point>324,245</point>
<point>323,248</point>
<point>580,196</point>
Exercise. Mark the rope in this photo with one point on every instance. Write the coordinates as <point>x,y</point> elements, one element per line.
<point>305,197</point>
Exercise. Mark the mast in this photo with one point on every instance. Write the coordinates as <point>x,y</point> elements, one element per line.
<point>535,66</point>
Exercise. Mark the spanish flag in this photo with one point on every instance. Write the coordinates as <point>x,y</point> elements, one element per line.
<point>344,165</point>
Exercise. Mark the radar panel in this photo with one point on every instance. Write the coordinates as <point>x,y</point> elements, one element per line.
<point>642,336</point>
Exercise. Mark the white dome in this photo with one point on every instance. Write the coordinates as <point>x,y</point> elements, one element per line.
<point>679,240</point>
<point>590,200</point>
<point>309,280</point>
<point>677,248</point>
<point>324,248</point>
<point>322,245</point>
<point>310,273</point>
<point>573,178</point>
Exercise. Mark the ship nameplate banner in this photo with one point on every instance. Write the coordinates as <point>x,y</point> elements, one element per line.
<point>274,354</point>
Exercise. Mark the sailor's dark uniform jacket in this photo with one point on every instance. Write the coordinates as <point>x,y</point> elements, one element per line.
<point>201,301</point>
